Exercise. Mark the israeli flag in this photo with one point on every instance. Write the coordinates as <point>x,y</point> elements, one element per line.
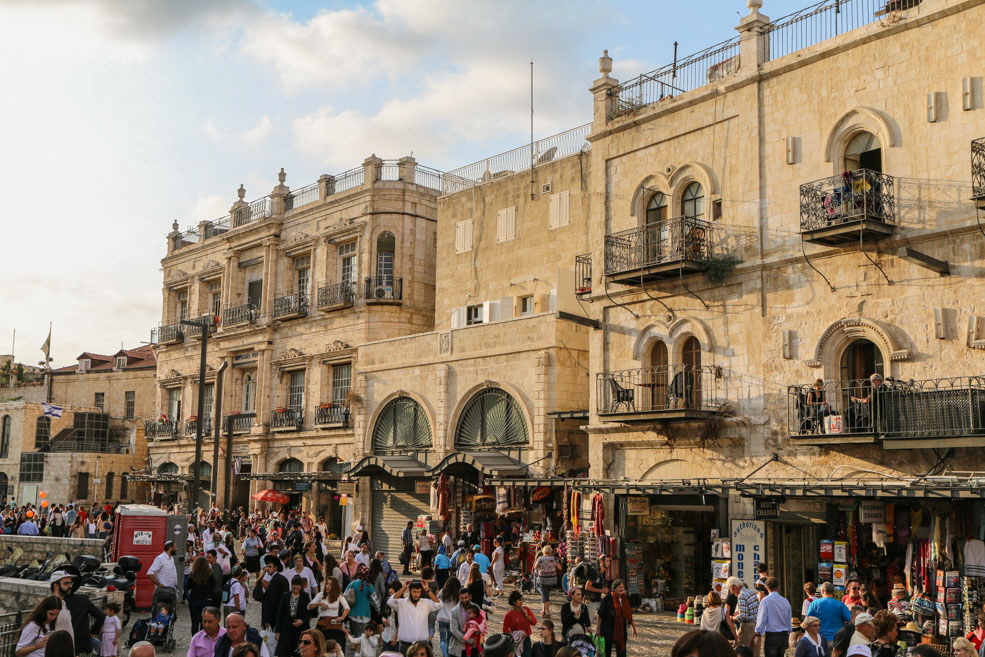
<point>50,410</point>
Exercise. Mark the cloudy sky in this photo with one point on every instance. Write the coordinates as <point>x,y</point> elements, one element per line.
<point>118,117</point>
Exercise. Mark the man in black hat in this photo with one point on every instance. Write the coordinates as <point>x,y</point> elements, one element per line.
<point>274,586</point>
<point>65,584</point>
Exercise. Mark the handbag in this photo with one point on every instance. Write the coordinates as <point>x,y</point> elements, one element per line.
<point>724,629</point>
<point>350,596</point>
<point>325,624</point>
<point>833,424</point>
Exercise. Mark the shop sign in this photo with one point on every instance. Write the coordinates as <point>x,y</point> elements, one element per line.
<point>748,549</point>
<point>484,507</point>
<point>422,487</point>
<point>343,500</point>
<point>767,508</point>
<point>245,358</point>
<point>347,488</point>
<point>637,506</point>
<point>872,512</point>
<point>142,537</point>
<point>302,486</point>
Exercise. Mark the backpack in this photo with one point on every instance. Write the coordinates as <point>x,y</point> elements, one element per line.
<point>227,592</point>
<point>392,576</point>
<point>138,632</point>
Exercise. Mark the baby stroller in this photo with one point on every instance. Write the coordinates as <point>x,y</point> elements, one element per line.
<point>142,628</point>
<point>584,644</point>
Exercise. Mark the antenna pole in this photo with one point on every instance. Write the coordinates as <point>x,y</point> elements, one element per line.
<point>532,181</point>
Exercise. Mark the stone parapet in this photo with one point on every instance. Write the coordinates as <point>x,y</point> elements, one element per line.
<point>20,595</point>
<point>38,547</point>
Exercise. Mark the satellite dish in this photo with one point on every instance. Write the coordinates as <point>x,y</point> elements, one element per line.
<point>548,155</point>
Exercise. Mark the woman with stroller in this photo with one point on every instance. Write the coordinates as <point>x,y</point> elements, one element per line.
<point>292,618</point>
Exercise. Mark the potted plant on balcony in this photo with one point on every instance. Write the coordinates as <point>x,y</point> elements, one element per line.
<point>325,405</point>
<point>280,409</point>
<point>719,266</point>
<point>352,400</point>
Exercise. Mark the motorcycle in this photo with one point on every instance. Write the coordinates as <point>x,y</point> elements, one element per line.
<point>49,567</point>
<point>9,567</point>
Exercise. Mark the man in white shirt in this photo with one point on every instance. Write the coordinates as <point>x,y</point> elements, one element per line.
<point>364,556</point>
<point>412,612</point>
<point>162,572</point>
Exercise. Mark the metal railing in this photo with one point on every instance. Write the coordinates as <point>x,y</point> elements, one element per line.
<point>240,314</point>
<point>388,170</point>
<point>931,408</point>
<point>167,333</point>
<point>256,210</point>
<point>339,294</point>
<point>852,196</point>
<point>295,303</point>
<point>713,63</point>
<point>301,197</point>
<point>191,426</point>
<point>158,429</point>
<point>673,240</point>
<point>519,159</point>
<point>350,179</point>
<point>824,20</point>
<point>241,422</point>
<point>978,168</point>
<point>11,624</point>
<point>217,227</point>
<point>331,414</point>
<point>583,273</point>
<point>186,238</point>
<point>428,177</point>
<point>287,418</point>
<point>384,288</point>
<point>661,388</point>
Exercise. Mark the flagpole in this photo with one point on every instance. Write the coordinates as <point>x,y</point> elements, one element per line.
<point>47,363</point>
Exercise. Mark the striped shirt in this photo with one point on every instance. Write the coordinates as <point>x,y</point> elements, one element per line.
<point>748,605</point>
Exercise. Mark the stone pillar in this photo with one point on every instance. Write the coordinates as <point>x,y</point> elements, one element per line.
<point>278,197</point>
<point>173,237</point>
<point>269,276</point>
<point>326,186</point>
<point>228,278</point>
<point>541,442</point>
<point>237,213</point>
<point>754,44</point>
<point>605,103</point>
<point>371,170</point>
<point>407,167</point>
<point>264,389</point>
<point>443,439</point>
<point>204,230</point>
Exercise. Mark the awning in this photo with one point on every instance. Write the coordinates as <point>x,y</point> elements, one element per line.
<point>397,465</point>
<point>490,463</point>
<point>325,475</point>
<point>159,478</point>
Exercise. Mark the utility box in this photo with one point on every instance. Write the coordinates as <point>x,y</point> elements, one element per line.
<point>141,531</point>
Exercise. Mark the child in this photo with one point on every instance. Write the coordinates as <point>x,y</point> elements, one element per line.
<point>333,649</point>
<point>110,637</point>
<point>366,644</point>
<point>159,624</point>
<point>475,631</point>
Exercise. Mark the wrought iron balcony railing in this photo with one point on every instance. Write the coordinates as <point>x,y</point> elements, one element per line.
<point>241,422</point>
<point>339,295</point>
<point>161,429</point>
<point>935,409</point>
<point>291,419</point>
<point>663,389</point>
<point>854,196</point>
<point>291,305</point>
<point>191,427</point>
<point>243,313</point>
<point>255,211</point>
<point>384,288</point>
<point>583,274</point>
<point>665,242</point>
<point>331,414</point>
<point>978,169</point>
<point>168,334</point>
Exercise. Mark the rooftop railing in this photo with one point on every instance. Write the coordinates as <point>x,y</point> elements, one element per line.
<point>851,197</point>
<point>663,388</point>
<point>301,197</point>
<point>824,20</point>
<point>978,169</point>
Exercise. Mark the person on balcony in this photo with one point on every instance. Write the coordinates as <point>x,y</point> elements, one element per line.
<point>862,412</point>
<point>817,406</point>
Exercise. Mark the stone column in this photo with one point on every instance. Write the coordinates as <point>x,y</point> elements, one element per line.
<point>228,278</point>
<point>371,170</point>
<point>754,44</point>
<point>278,197</point>
<point>264,388</point>
<point>407,167</point>
<point>443,439</point>
<point>326,186</point>
<point>604,103</point>
<point>269,276</point>
<point>237,213</point>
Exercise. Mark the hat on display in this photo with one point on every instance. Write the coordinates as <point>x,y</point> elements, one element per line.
<point>862,619</point>
<point>911,627</point>
<point>59,575</point>
<point>859,649</point>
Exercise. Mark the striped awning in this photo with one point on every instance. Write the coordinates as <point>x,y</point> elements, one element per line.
<point>488,462</point>
<point>397,465</point>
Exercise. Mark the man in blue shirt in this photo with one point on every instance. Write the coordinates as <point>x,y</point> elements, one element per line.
<point>28,528</point>
<point>832,612</point>
<point>773,620</point>
<point>482,560</point>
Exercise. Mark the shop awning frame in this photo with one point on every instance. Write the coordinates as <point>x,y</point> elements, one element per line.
<point>159,478</point>
<point>490,463</point>
<point>397,465</point>
<point>324,475</point>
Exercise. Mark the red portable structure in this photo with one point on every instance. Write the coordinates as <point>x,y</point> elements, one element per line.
<point>141,531</point>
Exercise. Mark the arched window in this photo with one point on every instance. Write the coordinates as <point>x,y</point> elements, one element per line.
<point>42,432</point>
<point>656,208</point>
<point>693,201</point>
<point>492,417</point>
<point>863,151</point>
<point>658,375</point>
<point>204,472</point>
<point>249,393</point>
<point>402,424</point>
<point>124,488</point>
<point>5,437</point>
<point>861,359</point>
<point>290,465</point>
<point>167,468</point>
<point>110,480</point>
<point>386,245</point>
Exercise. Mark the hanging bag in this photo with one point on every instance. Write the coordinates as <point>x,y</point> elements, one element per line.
<point>833,424</point>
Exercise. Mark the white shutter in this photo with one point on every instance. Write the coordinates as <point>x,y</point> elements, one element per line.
<point>463,235</point>
<point>458,317</point>
<point>506,224</point>
<point>559,210</point>
<point>490,311</point>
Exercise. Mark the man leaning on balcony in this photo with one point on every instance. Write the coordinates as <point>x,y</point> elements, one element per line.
<point>861,414</point>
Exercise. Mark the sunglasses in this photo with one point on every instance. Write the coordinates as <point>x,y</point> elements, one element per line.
<point>305,642</point>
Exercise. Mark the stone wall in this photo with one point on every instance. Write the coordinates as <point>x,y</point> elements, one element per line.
<point>22,594</point>
<point>38,547</point>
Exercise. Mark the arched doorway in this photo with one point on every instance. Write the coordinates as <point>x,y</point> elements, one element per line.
<point>863,151</point>
<point>859,360</point>
<point>656,379</point>
<point>685,388</point>
<point>656,233</point>
<point>3,486</point>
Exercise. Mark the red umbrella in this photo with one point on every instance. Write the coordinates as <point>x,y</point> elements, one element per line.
<point>269,495</point>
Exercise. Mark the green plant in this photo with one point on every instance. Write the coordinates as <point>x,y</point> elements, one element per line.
<point>713,426</point>
<point>718,267</point>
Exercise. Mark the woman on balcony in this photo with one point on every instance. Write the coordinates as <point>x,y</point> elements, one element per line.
<point>817,406</point>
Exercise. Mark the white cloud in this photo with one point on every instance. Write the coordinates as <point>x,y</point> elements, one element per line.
<point>212,132</point>
<point>258,134</point>
<point>209,207</point>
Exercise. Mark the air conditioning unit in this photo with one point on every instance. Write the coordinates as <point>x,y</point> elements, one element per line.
<point>546,188</point>
<point>383,292</point>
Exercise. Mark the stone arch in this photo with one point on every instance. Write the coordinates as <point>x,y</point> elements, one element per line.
<point>681,330</point>
<point>637,204</point>
<point>840,334</point>
<point>650,334</point>
<point>692,172</point>
<point>513,391</point>
<point>662,465</point>
<point>850,124</point>
<point>422,401</point>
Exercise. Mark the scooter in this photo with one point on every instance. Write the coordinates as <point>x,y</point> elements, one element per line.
<point>9,568</point>
<point>50,567</point>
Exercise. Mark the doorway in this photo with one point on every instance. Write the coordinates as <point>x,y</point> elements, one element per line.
<point>860,359</point>
<point>690,376</point>
<point>863,151</point>
<point>791,551</point>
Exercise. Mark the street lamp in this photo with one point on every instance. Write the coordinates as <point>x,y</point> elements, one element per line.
<point>205,325</point>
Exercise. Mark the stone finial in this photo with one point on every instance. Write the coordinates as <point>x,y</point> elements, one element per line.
<point>281,176</point>
<point>605,62</point>
<point>754,5</point>
<point>174,226</point>
<point>241,192</point>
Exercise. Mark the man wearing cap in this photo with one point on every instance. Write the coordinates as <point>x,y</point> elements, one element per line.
<point>745,618</point>
<point>61,586</point>
<point>64,584</point>
<point>861,650</point>
<point>162,572</point>
<point>844,636</point>
<point>830,611</point>
<point>865,631</point>
<point>458,556</point>
<point>773,622</point>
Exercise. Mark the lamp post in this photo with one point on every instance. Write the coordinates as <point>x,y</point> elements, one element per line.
<point>202,323</point>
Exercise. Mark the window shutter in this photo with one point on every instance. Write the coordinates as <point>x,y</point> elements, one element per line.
<point>463,235</point>
<point>559,210</point>
<point>458,317</point>
<point>506,224</point>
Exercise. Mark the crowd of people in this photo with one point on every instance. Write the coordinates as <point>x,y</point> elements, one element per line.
<point>59,520</point>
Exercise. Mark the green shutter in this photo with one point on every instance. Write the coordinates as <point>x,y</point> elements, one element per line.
<point>491,418</point>
<point>402,424</point>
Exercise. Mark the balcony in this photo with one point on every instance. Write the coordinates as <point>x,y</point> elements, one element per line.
<point>168,334</point>
<point>160,429</point>
<point>583,274</point>
<point>241,423</point>
<point>933,413</point>
<point>196,331</point>
<point>665,392</point>
<point>337,296</point>
<point>857,205</point>
<point>331,416</point>
<point>978,172</point>
<point>258,209</point>
<point>191,426</point>
<point>244,313</point>
<point>287,419</point>
<point>666,249</point>
<point>383,289</point>
<point>291,306</point>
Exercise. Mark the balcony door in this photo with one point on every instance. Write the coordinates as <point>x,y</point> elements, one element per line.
<point>254,292</point>
<point>861,359</point>
<point>863,151</point>
<point>656,234</point>
<point>657,377</point>
<point>688,381</point>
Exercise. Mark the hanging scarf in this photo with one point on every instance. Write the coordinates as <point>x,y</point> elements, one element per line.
<point>575,506</point>
<point>598,515</point>
<point>624,615</point>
